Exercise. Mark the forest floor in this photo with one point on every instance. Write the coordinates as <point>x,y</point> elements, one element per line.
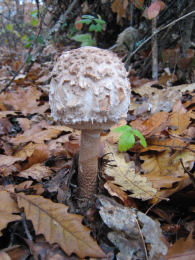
<point>144,208</point>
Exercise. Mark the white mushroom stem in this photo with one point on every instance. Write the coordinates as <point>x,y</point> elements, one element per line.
<point>88,163</point>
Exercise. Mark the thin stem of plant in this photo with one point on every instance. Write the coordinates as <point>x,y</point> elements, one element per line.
<point>141,235</point>
<point>154,50</point>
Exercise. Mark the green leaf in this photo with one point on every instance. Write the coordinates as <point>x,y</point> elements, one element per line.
<point>24,38</point>
<point>81,37</point>
<point>99,21</point>
<point>140,136</point>
<point>63,25</point>
<point>122,129</point>
<point>92,27</point>
<point>28,45</point>
<point>90,42</point>
<point>40,39</point>
<point>28,60</point>
<point>34,22</point>
<point>85,16</point>
<point>34,14</point>
<point>98,28</point>
<point>85,39</point>
<point>126,141</point>
<point>16,33</point>
<point>9,27</point>
<point>85,21</point>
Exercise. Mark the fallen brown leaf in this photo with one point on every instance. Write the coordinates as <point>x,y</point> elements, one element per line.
<point>7,207</point>
<point>182,249</point>
<point>125,176</point>
<point>37,172</point>
<point>9,160</point>
<point>153,125</point>
<point>58,226</point>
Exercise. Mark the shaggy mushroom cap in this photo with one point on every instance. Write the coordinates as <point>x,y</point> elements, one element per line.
<point>89,89</point>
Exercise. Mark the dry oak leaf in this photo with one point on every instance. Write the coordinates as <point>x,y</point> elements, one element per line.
<point>39,154</point>
<point>167,163</point>
<point>7,207</point>
<point>37,137</point>
<point>6,160</point>
<point>178,122</point>
<point>153,125</point>
<point>5,113</point>
<point>114,190</point>
<point>24,123</point>
<point>165,193</point>
<point>164,169</point>
<point>24,100</point>
<point>182,250</point>
<point>25,151</point>
<point>119,7</point>
<point>124,175</point>
<point>161,99</point>
<point>58,226</point>
<point>160,145</point>
<point>36,171</point>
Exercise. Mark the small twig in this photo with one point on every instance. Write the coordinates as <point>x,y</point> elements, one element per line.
<point>27,55</point>
<point>191,176</point>
<point>25,227</point>
<point>142,238</point>
<point>129,55</point>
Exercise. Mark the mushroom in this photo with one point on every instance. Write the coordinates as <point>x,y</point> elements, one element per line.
<point>89,91</point>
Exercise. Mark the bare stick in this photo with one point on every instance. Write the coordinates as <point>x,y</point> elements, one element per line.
<point>154,50</point>
<point>26,227</point>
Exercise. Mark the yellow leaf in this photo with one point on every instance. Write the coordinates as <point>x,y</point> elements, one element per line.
<point>124,175</point>
<point>167,163</point>
<point>58,226</point>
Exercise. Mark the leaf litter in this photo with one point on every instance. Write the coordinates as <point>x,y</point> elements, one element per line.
<point>37,158</point>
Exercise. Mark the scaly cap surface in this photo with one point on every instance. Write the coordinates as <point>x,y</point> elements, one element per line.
<point>89,89</point>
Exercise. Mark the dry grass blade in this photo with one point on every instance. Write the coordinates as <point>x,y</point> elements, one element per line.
<point>58,226</point>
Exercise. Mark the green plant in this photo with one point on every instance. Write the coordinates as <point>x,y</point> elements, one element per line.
<point>95,26</point>
<point>127,138</point>
<point>85,39</point>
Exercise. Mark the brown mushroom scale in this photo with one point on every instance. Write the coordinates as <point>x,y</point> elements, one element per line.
<point>89,91</point>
